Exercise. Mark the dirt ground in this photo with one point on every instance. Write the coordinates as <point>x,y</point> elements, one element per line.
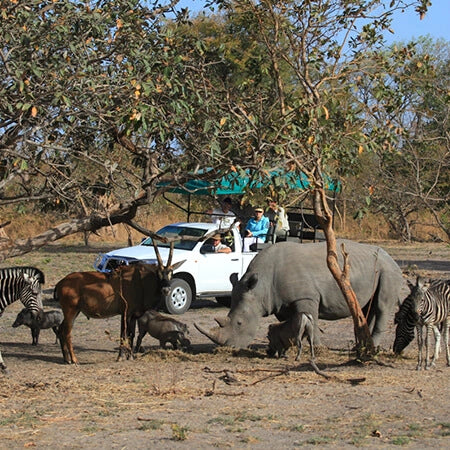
<point>216,397</point>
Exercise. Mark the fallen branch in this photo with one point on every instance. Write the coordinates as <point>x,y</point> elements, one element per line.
<point>284,372</point>
<point>213,391</point>
<point>208,370</point>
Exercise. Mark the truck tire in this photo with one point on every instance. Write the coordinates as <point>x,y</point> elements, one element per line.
<point>224,301</point>
<point>180,297</point>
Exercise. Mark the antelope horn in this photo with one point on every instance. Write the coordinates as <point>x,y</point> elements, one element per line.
<point>158,256</point>
<point>169,259</point>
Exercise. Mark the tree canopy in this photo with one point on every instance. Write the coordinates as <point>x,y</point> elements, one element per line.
<point>102,100</point>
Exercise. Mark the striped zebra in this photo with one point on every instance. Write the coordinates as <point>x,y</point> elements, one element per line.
<point>20,283</point>
<point>429,307</point>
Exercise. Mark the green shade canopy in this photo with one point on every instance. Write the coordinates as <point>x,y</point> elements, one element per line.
<point>236,184</point>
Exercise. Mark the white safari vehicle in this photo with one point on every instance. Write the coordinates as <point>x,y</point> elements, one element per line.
<point>203,274</point>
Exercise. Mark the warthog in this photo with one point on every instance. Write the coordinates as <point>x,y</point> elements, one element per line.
<point>42,321</point>
<point>284,335</point>
<point>20,283</point>
<point>163,328</point>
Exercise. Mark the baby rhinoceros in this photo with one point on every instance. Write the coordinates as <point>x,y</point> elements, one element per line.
<point>284,335</point>
<point>163,328</point>
<point>42,321</point>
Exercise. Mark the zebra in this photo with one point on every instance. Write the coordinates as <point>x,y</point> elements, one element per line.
<point>20,283</point>
<point>429,307</point>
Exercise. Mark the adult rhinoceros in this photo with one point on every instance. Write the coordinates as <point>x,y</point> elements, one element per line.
<point>287,276</point>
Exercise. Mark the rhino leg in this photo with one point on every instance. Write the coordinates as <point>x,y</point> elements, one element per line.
<point>385,298</point>
<point>310,308</point>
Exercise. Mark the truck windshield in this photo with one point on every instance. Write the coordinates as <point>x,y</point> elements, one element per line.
<point>186,238</point>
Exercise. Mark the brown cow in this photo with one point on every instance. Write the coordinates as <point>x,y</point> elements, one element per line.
<point>128,291</point>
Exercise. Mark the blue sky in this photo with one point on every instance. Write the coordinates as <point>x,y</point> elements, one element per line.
<point>406,25</point>
<point>436,23</point>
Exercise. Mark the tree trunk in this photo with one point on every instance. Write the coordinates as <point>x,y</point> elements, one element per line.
<point>364,343</point>
<point>119,213</point>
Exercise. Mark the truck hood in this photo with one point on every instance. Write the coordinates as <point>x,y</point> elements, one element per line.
<point>147,253</point>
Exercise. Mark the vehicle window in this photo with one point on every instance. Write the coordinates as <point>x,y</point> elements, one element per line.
<point>191,235</point>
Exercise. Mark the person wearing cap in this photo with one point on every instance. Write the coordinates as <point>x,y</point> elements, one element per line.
<point>218,246</point>
<point>256,229</point>
<point>278,218</point>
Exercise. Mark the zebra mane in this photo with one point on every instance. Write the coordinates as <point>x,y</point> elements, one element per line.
<point>29,270</point>
<point>406,308</point>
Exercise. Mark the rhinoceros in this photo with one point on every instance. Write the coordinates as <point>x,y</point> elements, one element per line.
<point>287,277</point>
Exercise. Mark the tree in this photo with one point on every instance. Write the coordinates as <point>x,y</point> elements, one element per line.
<point>98,100</point>
<point>306,116</point>
<point>411,174</point>
<point>113,97</point>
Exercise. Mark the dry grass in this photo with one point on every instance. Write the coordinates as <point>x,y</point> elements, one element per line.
<point>212,397</point>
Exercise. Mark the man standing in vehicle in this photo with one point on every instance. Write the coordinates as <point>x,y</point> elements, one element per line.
<point>223,217</point>
<point>278,219</point>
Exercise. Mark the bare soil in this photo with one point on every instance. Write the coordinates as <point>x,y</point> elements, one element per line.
<point>216,397</point>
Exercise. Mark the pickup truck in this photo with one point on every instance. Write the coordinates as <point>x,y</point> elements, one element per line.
<point>203,274</point>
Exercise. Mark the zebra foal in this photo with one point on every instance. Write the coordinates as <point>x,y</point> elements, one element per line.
<point>20,283</point>
<point>429,307</point>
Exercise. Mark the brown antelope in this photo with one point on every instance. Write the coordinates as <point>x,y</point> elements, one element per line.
<point>129,290</point>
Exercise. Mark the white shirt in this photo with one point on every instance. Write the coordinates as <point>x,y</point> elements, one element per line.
<point>222,219</point>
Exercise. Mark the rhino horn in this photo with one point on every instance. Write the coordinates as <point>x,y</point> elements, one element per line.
<point>213,334</point>
<point>223,321</point>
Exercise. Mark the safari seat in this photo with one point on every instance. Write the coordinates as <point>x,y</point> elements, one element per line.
<point>304,226</point>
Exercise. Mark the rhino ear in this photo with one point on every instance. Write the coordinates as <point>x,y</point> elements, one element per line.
<point>234,278</point>
<point>252,281</point>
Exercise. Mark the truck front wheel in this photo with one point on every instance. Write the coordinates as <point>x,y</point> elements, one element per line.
<point>180,297</point>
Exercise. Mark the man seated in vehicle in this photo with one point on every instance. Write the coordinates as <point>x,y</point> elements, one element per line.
<point>215,245</point>
<point>219,247</point>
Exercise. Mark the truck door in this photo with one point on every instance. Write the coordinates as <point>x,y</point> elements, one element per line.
<point>215,270</point>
